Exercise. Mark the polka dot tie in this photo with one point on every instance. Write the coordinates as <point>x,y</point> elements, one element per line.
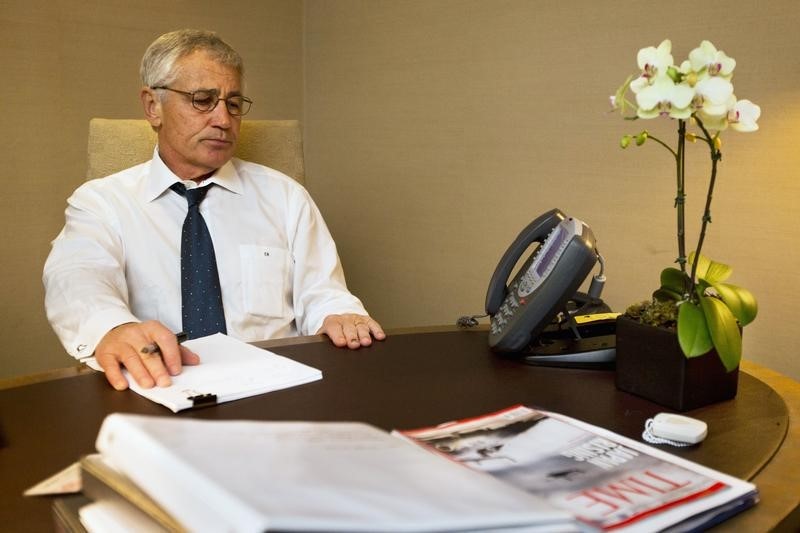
<point>200,291</point>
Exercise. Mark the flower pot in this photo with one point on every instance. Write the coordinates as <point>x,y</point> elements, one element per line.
<point>650,364</point>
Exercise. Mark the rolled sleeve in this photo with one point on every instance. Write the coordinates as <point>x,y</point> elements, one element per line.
<point>320,289</point>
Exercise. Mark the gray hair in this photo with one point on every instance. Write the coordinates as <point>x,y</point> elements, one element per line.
<point>158,62</point>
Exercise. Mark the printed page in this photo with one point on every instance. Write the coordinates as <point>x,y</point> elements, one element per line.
<point>310,476</point>
<point>604,479</point>
<point>229,369</point>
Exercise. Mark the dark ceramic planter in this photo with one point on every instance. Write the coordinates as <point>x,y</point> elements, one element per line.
<point>650,364</point>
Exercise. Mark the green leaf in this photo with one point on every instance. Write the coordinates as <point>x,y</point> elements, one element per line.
<point>700,287</point>
<point>673,285</point>
<point>667,295</point>
<point>693,333</point>
<point>674,280</point>
<point>739,300</point>
<point>710,270</point>
<point>724,331</point>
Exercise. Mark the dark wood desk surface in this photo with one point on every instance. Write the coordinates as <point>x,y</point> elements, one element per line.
<point>411,380</point>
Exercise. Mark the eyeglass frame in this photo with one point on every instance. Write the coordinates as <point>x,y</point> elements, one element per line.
<point>211,92</point>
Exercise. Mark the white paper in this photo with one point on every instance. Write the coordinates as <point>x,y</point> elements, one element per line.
<point>107,516</point>
<point>230,369</point>
<point>66,481</point>
<point>309,476</point>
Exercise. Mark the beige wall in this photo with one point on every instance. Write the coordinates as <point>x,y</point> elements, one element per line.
<point>64,62</point>
<point>435,130</point>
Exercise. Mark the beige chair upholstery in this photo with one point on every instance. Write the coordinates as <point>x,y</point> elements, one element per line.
<point>116,144</point>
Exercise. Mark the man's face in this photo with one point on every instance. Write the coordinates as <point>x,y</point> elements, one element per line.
<point>193,143</point>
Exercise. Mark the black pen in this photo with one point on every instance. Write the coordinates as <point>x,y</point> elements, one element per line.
<point>153,347</point>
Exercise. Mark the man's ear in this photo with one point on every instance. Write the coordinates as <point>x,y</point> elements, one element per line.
<point>152,107</point>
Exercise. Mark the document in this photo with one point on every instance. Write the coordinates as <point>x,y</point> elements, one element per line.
<point>248,476</point>
<point>607,481</point>
<point>229,369</point>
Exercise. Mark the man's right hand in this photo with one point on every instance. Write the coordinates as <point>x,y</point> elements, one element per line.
<point>126,345</point>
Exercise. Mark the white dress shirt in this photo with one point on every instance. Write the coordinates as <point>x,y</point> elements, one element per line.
<point>118,257</point>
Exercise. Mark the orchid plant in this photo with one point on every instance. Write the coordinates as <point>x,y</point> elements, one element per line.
<point>698,94</point>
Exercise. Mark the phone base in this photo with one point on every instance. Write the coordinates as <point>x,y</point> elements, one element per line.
<point>598,353</point>
<point>595,348</point>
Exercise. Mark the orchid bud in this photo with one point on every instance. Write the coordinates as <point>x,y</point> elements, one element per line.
<point>718,143</point>
<point>691,137</point>
<point>625,141</point>
<point>674,74</point>
<point>641,138</point>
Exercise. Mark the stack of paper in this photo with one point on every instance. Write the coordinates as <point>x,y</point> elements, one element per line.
<point>229,369</point>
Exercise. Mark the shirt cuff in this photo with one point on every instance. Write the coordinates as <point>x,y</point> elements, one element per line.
<point>96,328</point>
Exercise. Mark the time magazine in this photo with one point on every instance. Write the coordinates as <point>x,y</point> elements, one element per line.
<point>605,480</point>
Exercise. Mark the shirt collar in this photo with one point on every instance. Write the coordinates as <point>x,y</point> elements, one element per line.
<point>161,178</point>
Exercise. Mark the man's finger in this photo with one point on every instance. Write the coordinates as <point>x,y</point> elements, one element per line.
<point>376,330</point>
<point>364,333</point>
<point>155,367</point>
<point>188,357</point>
<point>168,350</point>
<point>113,373</point>
<point>336,332</point>
<point>135,367</point>
<point>350,332</point>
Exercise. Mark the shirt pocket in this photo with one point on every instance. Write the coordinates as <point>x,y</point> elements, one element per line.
<point>264,279</point>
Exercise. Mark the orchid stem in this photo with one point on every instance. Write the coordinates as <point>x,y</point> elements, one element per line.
<point>662,143</point>
<point>680,197</point>
<point>716,155</point>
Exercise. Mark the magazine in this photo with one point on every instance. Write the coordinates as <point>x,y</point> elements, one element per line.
<point>605,480</point>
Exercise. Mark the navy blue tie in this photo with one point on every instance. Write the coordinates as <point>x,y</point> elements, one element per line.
<point>200,291</point>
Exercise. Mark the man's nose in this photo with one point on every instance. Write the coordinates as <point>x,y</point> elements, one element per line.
<point>220,116</point>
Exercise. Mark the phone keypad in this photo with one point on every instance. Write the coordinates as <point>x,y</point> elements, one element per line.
<point>507,309</point>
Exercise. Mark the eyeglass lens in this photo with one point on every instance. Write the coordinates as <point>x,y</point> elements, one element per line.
<point>207,100</point>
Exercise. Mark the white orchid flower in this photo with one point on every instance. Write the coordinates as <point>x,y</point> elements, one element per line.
<point>640,83</point>
<point>714,95</point>
<point>714,61</point>
<point>744,115</point>
<point>713,122</point>
<point>665,97</point>
<point>653,61</point>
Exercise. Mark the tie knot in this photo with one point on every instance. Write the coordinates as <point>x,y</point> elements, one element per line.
<point>193,196</point>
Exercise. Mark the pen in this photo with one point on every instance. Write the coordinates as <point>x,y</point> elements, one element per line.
<point>153,347</point>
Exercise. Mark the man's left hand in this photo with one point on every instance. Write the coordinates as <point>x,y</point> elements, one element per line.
<point>351,330</point>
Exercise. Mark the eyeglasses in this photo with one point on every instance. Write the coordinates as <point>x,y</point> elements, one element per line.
<point>206,100</point>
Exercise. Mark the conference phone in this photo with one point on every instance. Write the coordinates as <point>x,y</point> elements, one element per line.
<point>540,314</point>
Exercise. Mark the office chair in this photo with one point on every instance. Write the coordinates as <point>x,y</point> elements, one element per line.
<point>116,144</point>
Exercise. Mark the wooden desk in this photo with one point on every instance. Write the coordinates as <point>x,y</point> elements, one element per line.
<point>410,380</point>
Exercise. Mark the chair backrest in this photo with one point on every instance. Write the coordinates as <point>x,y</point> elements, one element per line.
<point>116,144</point>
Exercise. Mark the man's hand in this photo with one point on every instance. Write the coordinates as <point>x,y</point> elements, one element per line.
<point>130,345</point>
<point>353,331</point>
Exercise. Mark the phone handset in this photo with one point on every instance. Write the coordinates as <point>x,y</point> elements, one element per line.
<point>536,231</point>
<point>544,284</point>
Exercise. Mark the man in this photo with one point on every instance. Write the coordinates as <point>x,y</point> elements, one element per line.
<point>114,282</point>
